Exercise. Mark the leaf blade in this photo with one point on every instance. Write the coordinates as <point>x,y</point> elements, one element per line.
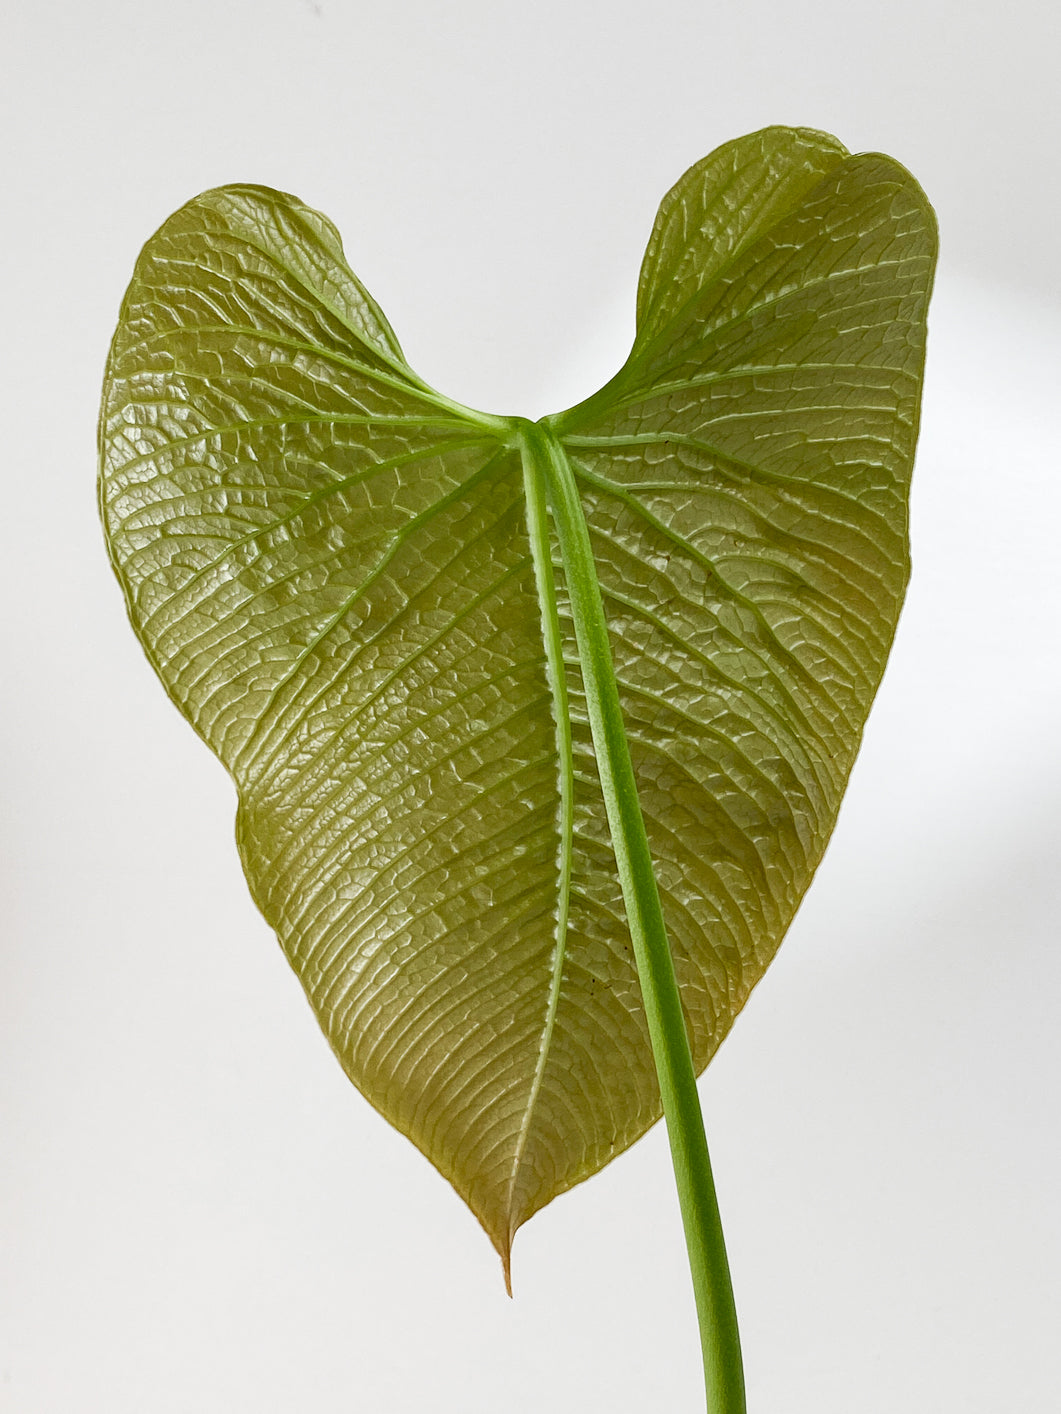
<point>345,582</point>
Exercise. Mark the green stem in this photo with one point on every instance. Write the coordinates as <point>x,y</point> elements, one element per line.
<point>545,458</point>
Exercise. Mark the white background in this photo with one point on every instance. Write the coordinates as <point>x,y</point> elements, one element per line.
<point>198,1212</point>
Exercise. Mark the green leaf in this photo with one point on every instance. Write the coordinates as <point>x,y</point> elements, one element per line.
<point>353,589</point>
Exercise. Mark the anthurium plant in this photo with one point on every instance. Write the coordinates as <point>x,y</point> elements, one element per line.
<point>539,729</point>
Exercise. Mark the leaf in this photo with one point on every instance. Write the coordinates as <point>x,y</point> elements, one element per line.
<point>345,582</point>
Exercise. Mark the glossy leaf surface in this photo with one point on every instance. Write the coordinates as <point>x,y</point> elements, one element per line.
<point>331,568</point>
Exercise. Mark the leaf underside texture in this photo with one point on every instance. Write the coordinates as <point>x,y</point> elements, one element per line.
<point>354,593</point>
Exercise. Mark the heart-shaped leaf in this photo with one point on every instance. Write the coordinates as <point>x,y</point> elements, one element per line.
<point>347,584</point>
